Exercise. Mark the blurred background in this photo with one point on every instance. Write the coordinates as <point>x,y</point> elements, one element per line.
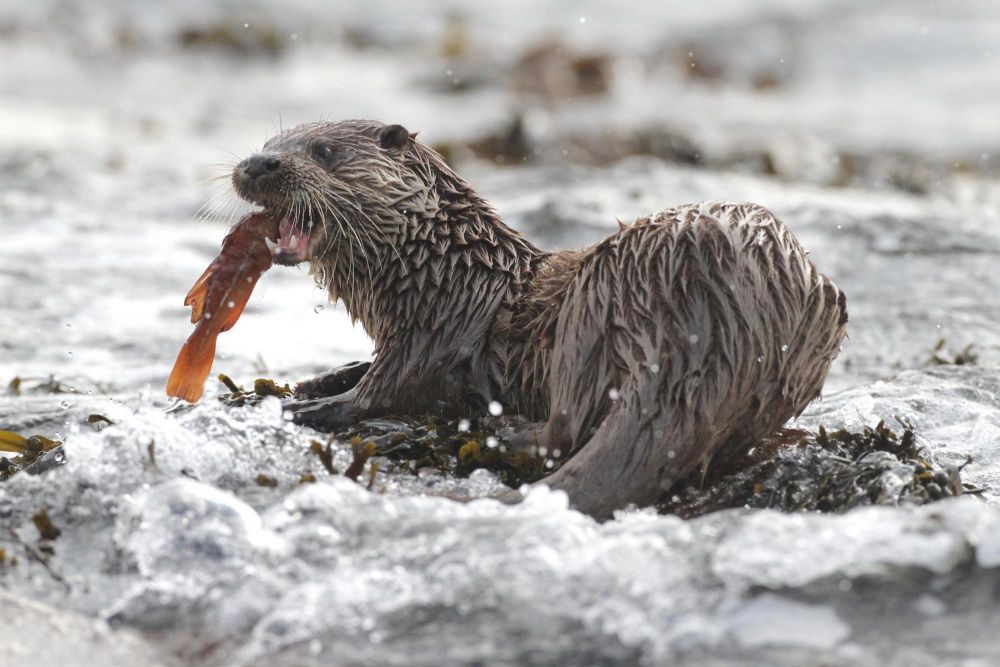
<point>870,127</point>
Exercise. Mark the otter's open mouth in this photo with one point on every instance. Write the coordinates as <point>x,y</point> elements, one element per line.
<point>292,246</point>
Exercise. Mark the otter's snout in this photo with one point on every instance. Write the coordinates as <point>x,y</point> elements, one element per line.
<point>260,164</point>
<point>258,177</point>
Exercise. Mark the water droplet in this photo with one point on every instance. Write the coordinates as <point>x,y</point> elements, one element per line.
<point>556,453</point>
<point>784,348</point>
<point>318,308</point>
<point>692,339</point>
<point>288,415</point>
<point>583,19</point>
<point>495,408</point>
<point>543,451</point>
<point>315,646</point>
<point>654,368</point>
<point>614,394</point>
<point>69,353</point>
<point>464,425</point>
<point>231,304</point>
<point>492,442</point>
<point>64,405</point>
<point>760,360</point>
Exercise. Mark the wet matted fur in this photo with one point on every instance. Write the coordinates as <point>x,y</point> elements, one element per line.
<point>683,338</point>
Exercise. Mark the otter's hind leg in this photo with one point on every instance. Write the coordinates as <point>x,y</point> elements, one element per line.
<point>624,408</point>
<point>714,329</point>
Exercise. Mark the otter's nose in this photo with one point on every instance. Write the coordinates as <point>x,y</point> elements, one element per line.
<point>261,164</point>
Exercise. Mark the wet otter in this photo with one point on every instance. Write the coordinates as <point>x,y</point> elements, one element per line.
<point>681,339</point>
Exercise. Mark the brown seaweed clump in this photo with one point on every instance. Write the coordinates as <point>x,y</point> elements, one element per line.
<point>794,470</point>
<point>454,448</point>
<point>827,472</point>
<point>252,39</point>
<point>262,388</point>
<point>34,454</point>
<point>941,355</point>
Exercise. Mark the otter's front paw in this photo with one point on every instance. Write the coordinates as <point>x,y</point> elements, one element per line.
<point>333,382</point>
<point>326,414</point>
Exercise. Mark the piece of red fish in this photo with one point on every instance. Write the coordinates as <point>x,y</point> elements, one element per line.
<point>218,298</point>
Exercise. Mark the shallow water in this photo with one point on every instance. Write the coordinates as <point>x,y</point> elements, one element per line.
<point>108,125</point>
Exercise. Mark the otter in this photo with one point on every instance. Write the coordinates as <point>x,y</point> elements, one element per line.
<point>681,340</point>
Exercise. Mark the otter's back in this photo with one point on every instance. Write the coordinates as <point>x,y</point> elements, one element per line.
<point>692,333</point>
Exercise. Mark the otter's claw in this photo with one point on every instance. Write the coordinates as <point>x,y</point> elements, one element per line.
<point>333,382</point>
<point>326,414</point>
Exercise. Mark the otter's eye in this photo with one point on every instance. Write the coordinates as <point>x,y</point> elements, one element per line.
<point>326,155</point>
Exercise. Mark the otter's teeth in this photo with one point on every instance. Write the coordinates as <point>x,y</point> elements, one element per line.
<point>271,245</point>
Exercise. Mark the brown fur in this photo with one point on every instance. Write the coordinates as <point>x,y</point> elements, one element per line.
<point>685,336</point>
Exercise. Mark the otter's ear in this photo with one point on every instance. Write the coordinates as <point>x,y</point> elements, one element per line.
<point>393,136</point>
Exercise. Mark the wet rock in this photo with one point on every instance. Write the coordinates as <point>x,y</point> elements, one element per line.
<point>255,39</point>
<point>508,146</point>
<point>759,56</point>
<point>554,71</point>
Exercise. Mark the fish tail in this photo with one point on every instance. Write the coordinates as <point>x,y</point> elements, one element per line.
<point>194,363</point>
<point>198,294</point>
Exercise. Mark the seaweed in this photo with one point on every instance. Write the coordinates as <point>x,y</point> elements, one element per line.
<point>46,529</point>
<point>266,481</point>
<point>453,447</point>
<point>827,471</point>
<point>99,422</point>
<point>362,452</point>
<point>33,454</point>
<point>941,356</point>
<point>262,388</point>
<point>47,385</point>
<point>255,39</point>
<point>325,454</point>
<point>794,470</point>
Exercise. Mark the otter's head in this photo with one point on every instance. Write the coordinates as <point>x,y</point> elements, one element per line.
<point>339,188</point>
